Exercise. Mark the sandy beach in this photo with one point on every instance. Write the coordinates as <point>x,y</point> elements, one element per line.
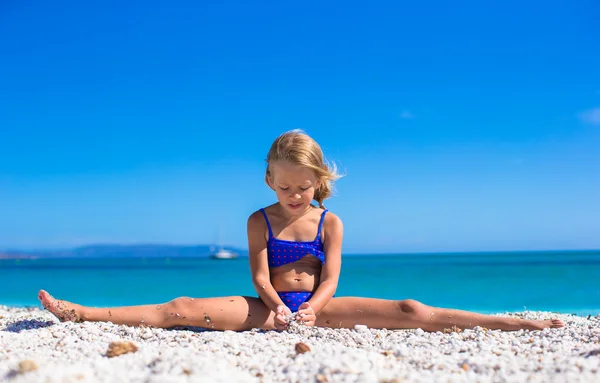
<point>35,347</point>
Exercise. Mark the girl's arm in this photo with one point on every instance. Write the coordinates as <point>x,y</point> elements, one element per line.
<point>259,265</point>
<point>330,272</point>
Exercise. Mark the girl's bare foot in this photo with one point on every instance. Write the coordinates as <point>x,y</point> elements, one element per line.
<point>63,310</point>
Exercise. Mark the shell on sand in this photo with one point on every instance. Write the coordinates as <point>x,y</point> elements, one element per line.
<point>301,348</point>
<point>27,366</point>
<point>119,348</point>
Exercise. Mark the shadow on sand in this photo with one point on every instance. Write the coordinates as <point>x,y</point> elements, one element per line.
<point>28,324</point>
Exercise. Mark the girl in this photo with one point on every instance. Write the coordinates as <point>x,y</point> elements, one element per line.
<point>295,259</point>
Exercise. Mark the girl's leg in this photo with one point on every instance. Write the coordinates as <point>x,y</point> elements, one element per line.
<point>227,313</point>
<point>380,313</point>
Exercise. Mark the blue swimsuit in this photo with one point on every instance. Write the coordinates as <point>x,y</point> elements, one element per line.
<point>281,252</point>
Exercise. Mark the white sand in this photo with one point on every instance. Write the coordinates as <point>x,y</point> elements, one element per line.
<point>70,352</point>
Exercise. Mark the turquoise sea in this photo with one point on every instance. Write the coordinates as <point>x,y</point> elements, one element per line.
<point>567,282</point>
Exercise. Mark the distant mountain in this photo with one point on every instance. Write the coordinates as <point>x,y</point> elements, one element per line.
<point>120,251</point>
<point>16,255</point>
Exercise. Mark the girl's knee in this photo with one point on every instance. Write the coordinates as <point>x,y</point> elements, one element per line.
<point>412,308</point>
<point>176,308</point>
<point>178,303</point>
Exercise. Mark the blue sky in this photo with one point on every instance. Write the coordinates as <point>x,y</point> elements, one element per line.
<point>459,125</point>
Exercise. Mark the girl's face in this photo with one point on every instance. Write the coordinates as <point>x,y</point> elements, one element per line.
<point>294,185</point>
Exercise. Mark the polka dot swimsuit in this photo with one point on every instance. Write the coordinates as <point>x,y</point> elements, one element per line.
<point>281,252</point>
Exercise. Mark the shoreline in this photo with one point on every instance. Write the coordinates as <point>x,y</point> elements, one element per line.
<point>77,352</point>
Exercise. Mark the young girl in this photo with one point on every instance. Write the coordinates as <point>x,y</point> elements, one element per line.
<point>295,259</point>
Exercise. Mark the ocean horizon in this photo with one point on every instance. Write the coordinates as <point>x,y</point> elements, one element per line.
<point>168,250</point>
<point>487,282</point>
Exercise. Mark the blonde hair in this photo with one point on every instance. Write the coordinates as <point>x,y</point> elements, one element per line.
<point>300,149</point>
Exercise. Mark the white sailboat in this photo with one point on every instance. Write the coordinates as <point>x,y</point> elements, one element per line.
<point>222,253</point>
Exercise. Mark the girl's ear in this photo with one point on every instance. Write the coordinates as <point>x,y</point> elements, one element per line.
<point>270,182</point>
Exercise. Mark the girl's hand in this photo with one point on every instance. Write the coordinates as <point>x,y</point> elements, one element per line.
<point>281,314</point>
<point>306,314</point>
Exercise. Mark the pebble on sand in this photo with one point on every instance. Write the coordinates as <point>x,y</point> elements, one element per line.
<point>73,352</point>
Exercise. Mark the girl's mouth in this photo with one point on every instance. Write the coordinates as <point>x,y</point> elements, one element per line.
<point>295,206</point>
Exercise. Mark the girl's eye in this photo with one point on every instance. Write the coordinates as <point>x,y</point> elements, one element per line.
<point>283,188</point>
<point>305,189</point>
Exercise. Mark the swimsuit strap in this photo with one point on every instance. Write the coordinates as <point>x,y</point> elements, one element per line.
<point>268,224</point>
<point>321,224</point>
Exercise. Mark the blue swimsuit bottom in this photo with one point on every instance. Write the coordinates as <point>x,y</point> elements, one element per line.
<point>293,299</point>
